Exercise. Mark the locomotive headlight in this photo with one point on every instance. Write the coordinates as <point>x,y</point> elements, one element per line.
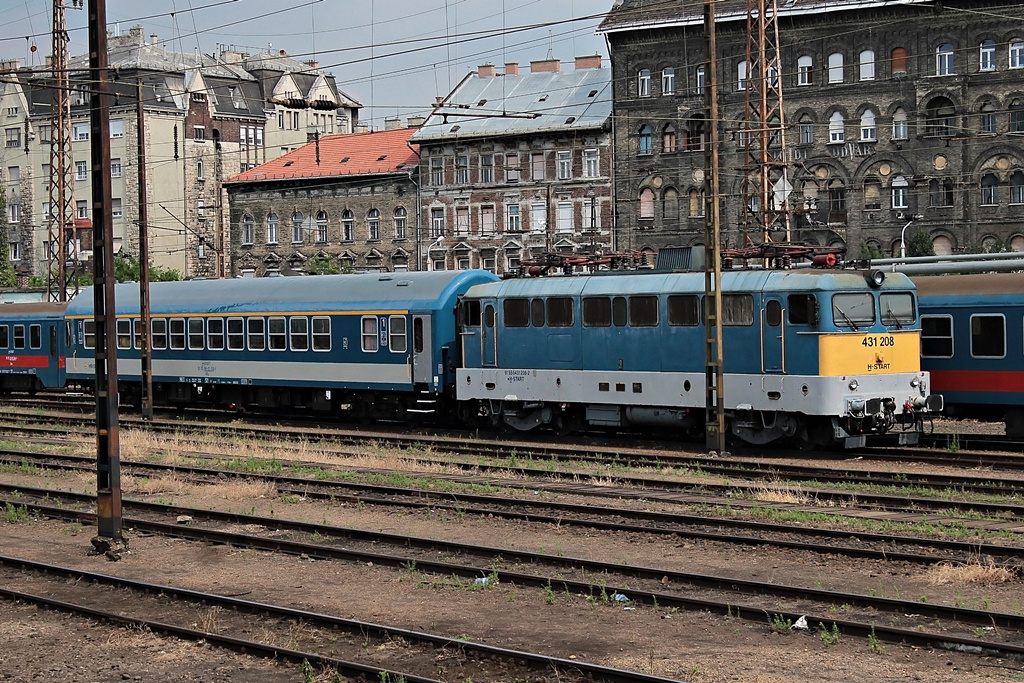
<point>853,385</point>
<point>915,382</point>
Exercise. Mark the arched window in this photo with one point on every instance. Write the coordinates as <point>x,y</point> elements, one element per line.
<point>668,81</point>
<point>668,139</point>
<point>1017,54</point>
<point>836,132</point>
<point>945,64</point>
<point>872,194</point>
<point>401,220</point>
<point>942,246</point>
<point>898,59</point>
<point>741,75</point>
<point>297,227</point>
<point>940,192</point>
<point>643,83</point>
<point>867,126</point>
<point>348,226</point>
<point>645,141</point>
<point>806,130</point>
<point>670,204</point>
<point>940,117</point>
<point>835,67</point>
<point>900,126</point>
<point>836,201</point>
<point>988,118</point>
<point>696,203</point>
<point>321,226</point>
<point>804,70</point>
<point>694,134</point>
<point>1017,188</point>
<point>989,190</point>
<point>987,56</point>
<point>248,229</point>
<point>867,65</point>
<point>646,203</point>
<point>1017,116</point>
<point>900,192</point>
<point>273,228</point>
<point>373,225</point>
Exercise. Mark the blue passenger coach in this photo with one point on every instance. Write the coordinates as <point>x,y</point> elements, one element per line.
<point>817,356</point>
<point>375,345</point>
<point>32,346</point>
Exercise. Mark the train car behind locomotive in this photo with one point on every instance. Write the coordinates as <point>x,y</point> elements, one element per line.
<point>32,346</point>
<point>374,346</point>
<point>819,357</point>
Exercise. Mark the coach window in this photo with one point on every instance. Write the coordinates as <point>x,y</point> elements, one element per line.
<point>137,332</point>
<point>560,312</point>
<point>236,334</point>
<point>196,342</point>
<point>321,333</point>
<point>4,333</point>
<point>773,313</point>
<point>177,333</point>
<point>35,336</point>
<point>853,310</point>
<point>276,334</point>
<point>937,336</point>
<point>643,311</point>
<point>619,310</point>
<point>737,309</point>
<point>597,311</point>
<point>517,312</point>
<point>803,309</point>
<point>158,333</point>
<point>537,312</point>
<point>897,309</point>
<point>369,333</point>
<point>255,329</point>
<point>988,336</point>
<point>88,335</point>
<point>124,333</point>
<point>396,333</point>
<point>215,334</point>
<point>299,333</point>
<point>683,311</point>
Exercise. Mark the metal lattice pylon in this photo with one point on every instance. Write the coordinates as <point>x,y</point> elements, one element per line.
<point>62,246</point>
<point>766,185</point>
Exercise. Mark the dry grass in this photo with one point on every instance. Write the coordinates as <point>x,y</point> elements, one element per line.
<point>159,484</point>
<point>774,492</point>
<point>242,489</point>
<point>970,572</point>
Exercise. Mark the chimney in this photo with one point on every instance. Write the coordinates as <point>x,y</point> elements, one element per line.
<point>416,121</point>
<point>312,63</point>
<point>485,71</point>
<point>545,66</point>
<point>591,62</point>
<point>152,39</point>
<point>392,123</point>
<point>511,69</point>
<point>438,101</point>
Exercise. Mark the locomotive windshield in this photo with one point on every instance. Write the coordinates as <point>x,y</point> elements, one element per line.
<point>897,309</point>
<point>854,310</point>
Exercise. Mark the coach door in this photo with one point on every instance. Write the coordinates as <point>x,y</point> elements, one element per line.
<point>422,364</point>
<point>773,346</point>
<point>488,337</point>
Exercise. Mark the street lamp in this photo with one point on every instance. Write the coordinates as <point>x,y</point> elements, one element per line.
<point>903,234</point>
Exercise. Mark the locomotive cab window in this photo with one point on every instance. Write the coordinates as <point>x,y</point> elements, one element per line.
<point>299,334</point>
<point>803,309</point>
<point>516,312</point>
<point>597,311</point>
<point>643,311</point>
<point>369,333</point>
<point>35,336</point>
<point>276,336</point>
<point>737,309</point>
<point>988,336</point>
<point>88,334</point>
<point>619,311</point>
<point>256,333</point>
<point>897,309</point>
<point>560,312</point>
<point>321,333</point>
<point>489,316</point>
<point>537,312</point>
<point>683,310</point>
<point>773,313</point>
<point>196,334</point>
<point>396,333</point>
<point>124,333</point>
<point>854,310</point>
<point>470,309</point>
<point>937,336</point>
<point>236,334</point>
<point>177,326</point>
<point>158,333</point>
<point>215,334</point>
<point>19,336</point>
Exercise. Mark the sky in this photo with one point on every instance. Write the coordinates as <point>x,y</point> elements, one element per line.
<point>393,56</point>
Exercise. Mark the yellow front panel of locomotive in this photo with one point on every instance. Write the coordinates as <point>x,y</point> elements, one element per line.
<point>869,353</point>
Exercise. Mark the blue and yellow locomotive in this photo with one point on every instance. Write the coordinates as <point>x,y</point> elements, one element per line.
<point>819,357</point>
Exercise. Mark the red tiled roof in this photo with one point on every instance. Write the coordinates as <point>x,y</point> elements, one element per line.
<point>346,154</point>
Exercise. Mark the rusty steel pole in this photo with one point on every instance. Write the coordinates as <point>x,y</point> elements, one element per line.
<point>146,395</point>
<point>108,461</point>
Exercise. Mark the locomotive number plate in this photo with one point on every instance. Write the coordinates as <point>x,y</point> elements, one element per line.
<point>878,340</point>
